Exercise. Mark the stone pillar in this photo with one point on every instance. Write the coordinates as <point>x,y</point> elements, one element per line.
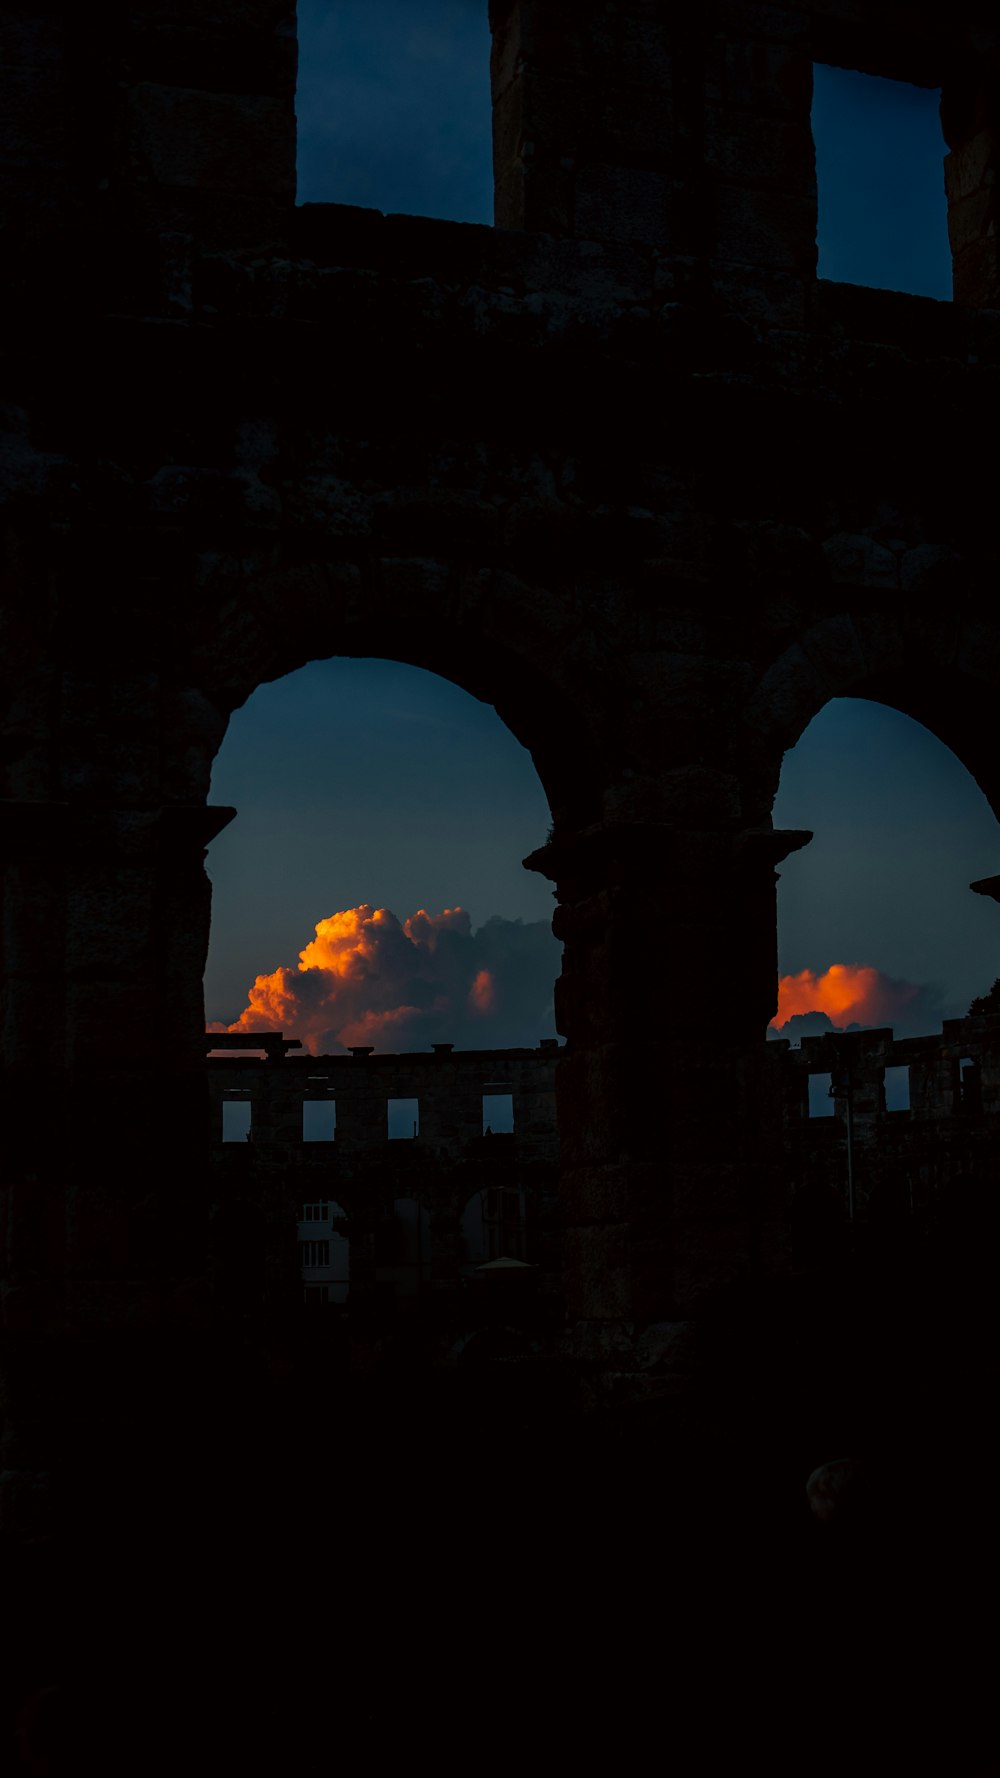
<point>446,1237</point>
<point>670,1119</point>
<point>642,123</point>
<point>970,111</point>
<point>105,932</point>
<point>584,130</point>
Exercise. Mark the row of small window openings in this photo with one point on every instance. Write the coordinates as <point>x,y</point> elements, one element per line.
<point>319,1118</point>
<point>968,1089</point>
<point>822,1097</point>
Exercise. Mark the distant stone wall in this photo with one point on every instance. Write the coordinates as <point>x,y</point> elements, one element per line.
<point>923,1171</point>
<point>261,1185</point>
<point>621,466</point>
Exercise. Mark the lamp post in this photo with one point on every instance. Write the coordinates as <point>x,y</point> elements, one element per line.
<point>842,1087</point>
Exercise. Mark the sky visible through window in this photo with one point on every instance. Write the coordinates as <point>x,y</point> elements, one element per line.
<point>394,107</point>
<point>883,217</point>
<point>394,114</point>
<point>427,802</point>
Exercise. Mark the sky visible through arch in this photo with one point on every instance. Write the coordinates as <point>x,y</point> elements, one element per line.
<point>371,785</point>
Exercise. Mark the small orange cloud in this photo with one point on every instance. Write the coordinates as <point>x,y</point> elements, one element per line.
<point>849,994</point>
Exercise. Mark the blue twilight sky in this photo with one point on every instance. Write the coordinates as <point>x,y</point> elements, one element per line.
<point>426,800</point>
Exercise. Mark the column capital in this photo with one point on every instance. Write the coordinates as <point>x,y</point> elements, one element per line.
<point>610,847</point>
<point>41,826</point>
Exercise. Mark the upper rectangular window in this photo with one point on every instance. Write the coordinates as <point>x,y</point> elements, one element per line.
<point>394,107</point>
<point>882,209</point>
<point>237,1117</point>
<point>319,1120</point>
<point>897,1088</point>
<point>498,1112</point>
<point>403,1118</point>
<point>821,1103</point>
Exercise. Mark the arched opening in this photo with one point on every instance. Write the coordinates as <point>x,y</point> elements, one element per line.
<point>882,950</point>
<point>393,107</point>
<point>371,785</point>
<point>900,830</point>
<point>361,783</point>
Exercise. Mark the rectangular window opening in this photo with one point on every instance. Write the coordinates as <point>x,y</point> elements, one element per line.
<point>319,1120</point>
<point>882,211</point>
<point>897,1088</point>
<point>403,1119</point>
<point>820,1102</point>
<point>970,1085</point>
<point>237,1117</point>
<point>394,111</point>
<point>498,1112</point>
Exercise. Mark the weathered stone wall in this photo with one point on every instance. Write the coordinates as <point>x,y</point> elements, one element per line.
<point>269,1178</point>
<point>924,1174</point>
<point>621,466</point>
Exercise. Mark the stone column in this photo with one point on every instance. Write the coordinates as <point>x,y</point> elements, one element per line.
<point>969,115</point>
<point>669,1116</point>
<point>585,139</point>
<point>659,127</point>
<point>104,1198</point>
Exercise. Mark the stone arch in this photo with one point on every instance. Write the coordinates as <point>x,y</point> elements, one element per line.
<point>937,670</point>
<point>509,643</point>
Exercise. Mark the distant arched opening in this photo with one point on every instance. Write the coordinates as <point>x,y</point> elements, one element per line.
<point>359,784</point>
<point>900,830</point>
<point>882,950</point>
<point>371,892</point>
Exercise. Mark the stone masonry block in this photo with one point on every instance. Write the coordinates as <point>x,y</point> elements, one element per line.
<point>569,37</point>
<point>623,204</point>
<point>766,228</point>
<point>766,77</point>
<point>969,168</point>
<point>860,561</point>
<point>223,141</point>
<point>834,648</point>
<point>745,148</point>
<point>534,198</point>
<point>544,111</point>
<point>972,218</point>
<point>275,17</point>
<point>977,273</point>
<point>933,568</point>
<point>788,696</point>
<point>599,1281</point>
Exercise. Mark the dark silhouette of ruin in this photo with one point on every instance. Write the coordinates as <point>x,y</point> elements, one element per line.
<point>623,467</point>
<point>475,1194</point>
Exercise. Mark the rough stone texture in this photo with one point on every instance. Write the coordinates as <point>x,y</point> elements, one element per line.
<point>624,469</point>
<point>920,1175</point>
<point>363,1171</point>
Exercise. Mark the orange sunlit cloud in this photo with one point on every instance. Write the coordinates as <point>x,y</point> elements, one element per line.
<point>849,994</point>
<point>367,977</point>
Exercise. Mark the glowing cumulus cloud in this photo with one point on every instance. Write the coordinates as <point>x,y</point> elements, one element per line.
<point>368,978</point>
<point>849,994</point>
